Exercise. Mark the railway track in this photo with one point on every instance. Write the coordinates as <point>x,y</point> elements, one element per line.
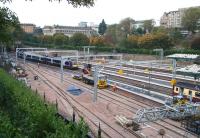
<point>109,131</point>
<point>142,84</point>
<point>135,109</point>
<point>129,70</point>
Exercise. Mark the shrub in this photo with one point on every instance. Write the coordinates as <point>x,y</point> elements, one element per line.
<point>26,115</point>
<point>195,44</point>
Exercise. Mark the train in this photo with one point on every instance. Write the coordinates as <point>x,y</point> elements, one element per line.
<point>187,90</point>
<point>56,61</point>
<point>87,77</point>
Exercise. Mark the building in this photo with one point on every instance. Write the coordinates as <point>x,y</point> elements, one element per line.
<point>68,30</point>
<point>82,24</point>
<point>94,26</point>
<point>140,24</point>
<point>173,19</point>
<point>28,27</point>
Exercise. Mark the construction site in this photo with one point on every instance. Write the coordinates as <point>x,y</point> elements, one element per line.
<point>117,95</point>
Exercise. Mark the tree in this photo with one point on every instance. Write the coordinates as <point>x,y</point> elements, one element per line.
<point>191,18</point>
<point>159,29</point>
<point>46,39</point>
<point>126,25</point>
<point>75,3</point>
<point>110,35</point>
<point>60,39</point>
<point>97,41</point>
<point>79,39</point>
<point>131,42</point>
<point>102,27</point>
<point>148,25</point>
<point>151,41</point>
<point>175,35</point>
<point>138,31</point>
<point>195,44</point>
<point>8,24</point>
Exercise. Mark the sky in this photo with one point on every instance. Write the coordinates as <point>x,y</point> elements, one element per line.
<point>43,12</point>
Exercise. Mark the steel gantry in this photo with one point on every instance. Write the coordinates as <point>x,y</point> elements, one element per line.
<point>164,112</point>
<point>97,69</point>
<point>161,53</point>
<point>67,57</point>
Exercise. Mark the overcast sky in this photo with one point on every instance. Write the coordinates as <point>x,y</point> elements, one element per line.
<point>43,12</point>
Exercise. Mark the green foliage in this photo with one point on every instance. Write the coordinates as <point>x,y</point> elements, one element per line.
<point>60,39</point>
<point>102,27</point>
<point>159,29</point>
<point>79,39</point>
<point>138,31</point>
<point>191,18</point>
<point>195,44</point>
<point>148,25</point>
<point>175,35</point>
<point>125,25</point>
<point>110,35</point>
<point>75,3</point>
<point>24,114</point>
<point>46,39</point>
<point>9,24</point>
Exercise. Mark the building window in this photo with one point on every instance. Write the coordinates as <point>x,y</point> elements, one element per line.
<point>176,88</point>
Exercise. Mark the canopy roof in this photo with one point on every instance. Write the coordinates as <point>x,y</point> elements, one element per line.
<point>183,56</point>
<point>192,70</point>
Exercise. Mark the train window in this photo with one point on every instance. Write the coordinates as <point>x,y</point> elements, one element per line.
<point>197,94</point>
<point>43,59</point>
<point>48,59</point>
<point>57,61</point>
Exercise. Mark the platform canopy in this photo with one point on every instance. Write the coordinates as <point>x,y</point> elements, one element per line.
<point>187,57</point>
<point>191,70</point>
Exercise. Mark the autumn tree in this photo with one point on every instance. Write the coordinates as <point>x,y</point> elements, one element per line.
<point>97,41</point>
<point>131,41</point>
<point>191,19</point>
<point>151,41</point>
<point>102,27</point>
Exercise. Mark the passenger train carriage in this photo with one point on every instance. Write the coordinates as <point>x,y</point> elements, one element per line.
<point>186,90</point>
<point>67,63</point>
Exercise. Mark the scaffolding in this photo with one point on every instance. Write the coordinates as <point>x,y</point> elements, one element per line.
<point>163,112</point>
